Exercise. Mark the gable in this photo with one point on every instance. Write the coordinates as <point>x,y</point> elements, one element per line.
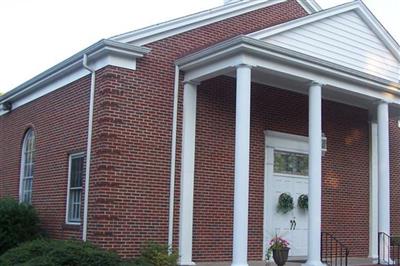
<point>344,38</point>
<point>176,26</point>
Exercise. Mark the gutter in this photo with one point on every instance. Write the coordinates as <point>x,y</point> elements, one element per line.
<point>173,159</point>
<point>89,146</point>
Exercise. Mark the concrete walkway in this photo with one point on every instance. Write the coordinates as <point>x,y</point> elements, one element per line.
<point>351,262</point>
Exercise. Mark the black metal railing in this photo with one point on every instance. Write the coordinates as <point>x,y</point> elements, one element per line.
<point>333,252</point>
<point>388,249</point>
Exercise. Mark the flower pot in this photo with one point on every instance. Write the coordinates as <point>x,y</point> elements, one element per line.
<point>280,256</point>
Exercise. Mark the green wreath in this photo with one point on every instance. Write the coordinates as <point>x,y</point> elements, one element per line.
<point>302,202</point>
<point>285,203</point>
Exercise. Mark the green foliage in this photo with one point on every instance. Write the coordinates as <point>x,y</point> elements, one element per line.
<point>285,203</point>
<point>154,254</point>
<point>45,252</point>
<point>18,223</point>
<point>276,243</point>
<point>302,202</point>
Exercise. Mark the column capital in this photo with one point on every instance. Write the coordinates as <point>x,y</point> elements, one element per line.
<point>192,82</point>
<point>243,65</point>
<point>381,101</point>
<point>316,83</point>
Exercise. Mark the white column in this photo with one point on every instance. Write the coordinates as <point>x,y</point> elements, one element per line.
<point>373,191</point>
<point>383,169</point>
<point>242,151</point>
<point>314,184</point>
<point>187,174</point>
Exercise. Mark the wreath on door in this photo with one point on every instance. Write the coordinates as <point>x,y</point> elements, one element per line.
<point>302,202</point>
<point>285,203</point>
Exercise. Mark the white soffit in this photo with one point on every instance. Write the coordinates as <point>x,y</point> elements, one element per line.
<point>347,35</point>
<point>183,24</point>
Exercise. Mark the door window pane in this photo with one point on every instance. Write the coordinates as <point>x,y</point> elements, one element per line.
<point>290,163</point>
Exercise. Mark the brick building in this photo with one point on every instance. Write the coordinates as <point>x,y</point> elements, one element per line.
<point>189,131</point>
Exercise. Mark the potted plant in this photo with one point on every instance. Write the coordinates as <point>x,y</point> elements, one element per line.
<point>279,248</point>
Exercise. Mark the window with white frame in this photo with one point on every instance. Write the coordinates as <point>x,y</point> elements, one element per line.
<point>291,163</point>
<point>74,193</point>
<point>27,167</point>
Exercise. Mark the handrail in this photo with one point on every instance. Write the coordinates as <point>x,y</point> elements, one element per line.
<point>388,249</point>
<point>333,252</point>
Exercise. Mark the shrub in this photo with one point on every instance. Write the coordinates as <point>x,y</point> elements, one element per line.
<point>154,254</point>
<point>45,252</point>
<point>18,223</point>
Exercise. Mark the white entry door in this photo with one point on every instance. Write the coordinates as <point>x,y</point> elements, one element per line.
<point>286,172</point>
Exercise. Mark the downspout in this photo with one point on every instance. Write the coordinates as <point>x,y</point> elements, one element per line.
<point>173,157</point>
<point>89,147</point>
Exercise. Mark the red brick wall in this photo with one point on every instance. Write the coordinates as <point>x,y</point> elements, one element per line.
<point>59,120</point>
<point>132,140</point>
<point>394,138</point>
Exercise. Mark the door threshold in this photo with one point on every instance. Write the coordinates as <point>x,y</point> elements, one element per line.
<point>297,259</point>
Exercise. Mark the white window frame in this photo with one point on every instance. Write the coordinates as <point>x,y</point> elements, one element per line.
<point>71,157</point>
<point>22,166</point>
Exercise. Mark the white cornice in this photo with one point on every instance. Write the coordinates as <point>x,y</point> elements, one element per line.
<point>100,54</point>
<point>183,24</point>
<point>241,46</point>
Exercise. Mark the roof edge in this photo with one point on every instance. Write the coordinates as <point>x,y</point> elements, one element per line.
<point>172,27</point>
<point>94,52</point>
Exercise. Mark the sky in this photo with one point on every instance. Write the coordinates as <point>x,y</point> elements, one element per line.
<point>35,35</point>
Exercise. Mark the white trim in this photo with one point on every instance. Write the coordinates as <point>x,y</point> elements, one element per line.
<point>373,190</point>
<point>70,157</point>
<point>356,6</point>
<point>221,58</point>
<point>283,142</point>
<point>22,166</point>
<point>101,54</point>
<point>173,160</point>
<point>173,27</point>
<point>310,6</point>
<point>286,141</point>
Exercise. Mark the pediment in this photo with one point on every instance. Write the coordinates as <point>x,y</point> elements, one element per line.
<point>348,35</point>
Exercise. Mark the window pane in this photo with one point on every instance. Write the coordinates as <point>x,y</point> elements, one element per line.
<point>76,172</point>
<point>75,188</point>
<point>28,154</point>
<point>75,205</point>
<point>290,163</point>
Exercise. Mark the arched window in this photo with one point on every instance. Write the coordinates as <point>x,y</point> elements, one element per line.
<point>27,167</point>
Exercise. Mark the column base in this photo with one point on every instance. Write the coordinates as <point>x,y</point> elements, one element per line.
<point>313,263</point>
<point>240,264</point>
<point>191,263</point>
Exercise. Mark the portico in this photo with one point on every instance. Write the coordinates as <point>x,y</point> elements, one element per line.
<point>251,60</point>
